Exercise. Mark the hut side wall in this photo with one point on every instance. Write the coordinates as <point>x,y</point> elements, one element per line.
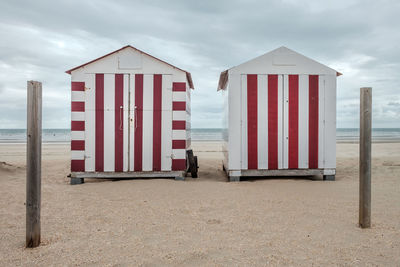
<point>180,116</point>
<point>77,125</point>
<point>188,117</point>
<point>225,128</point>
<point>234,122</point>
<point>330,121</point>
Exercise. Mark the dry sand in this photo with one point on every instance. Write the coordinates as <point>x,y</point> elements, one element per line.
<point>205,221</point>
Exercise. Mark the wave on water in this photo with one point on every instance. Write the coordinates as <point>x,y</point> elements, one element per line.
<point>198,134</point>
<point>48,135</point>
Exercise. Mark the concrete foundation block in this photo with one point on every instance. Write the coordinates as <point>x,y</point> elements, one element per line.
<point>234,178</point>
<point>329,178</point>
<point>77,181</point>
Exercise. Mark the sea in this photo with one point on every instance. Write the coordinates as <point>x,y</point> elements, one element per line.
<point>198,134</point>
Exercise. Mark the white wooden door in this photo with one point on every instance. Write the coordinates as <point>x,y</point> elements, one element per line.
<point>150,118</point>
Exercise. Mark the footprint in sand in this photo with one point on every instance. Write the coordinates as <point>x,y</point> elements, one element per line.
<point>213,221</point>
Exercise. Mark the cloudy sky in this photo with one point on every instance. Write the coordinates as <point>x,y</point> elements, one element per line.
<point>41,39</point>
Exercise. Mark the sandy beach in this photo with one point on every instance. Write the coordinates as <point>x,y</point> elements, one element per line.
<point>202,222</point>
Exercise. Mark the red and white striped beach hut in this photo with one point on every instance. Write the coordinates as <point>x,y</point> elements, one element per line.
<point>280,117</point>
<point>130,117</point>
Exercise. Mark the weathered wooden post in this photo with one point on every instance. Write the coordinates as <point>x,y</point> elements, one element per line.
<point>365,157</point>
<point>33,163</point>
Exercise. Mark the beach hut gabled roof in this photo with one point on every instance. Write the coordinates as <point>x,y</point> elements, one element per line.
<point>188,75</point>
<point>279,61</point>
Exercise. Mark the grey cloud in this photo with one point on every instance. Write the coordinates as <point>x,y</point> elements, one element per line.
<point>41,39</point>
<point>395,104</point>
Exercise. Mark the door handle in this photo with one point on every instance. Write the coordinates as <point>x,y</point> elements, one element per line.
<point>135,115</point>
<point>121,109</point>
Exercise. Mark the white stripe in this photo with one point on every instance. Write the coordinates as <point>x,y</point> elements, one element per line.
<point>262,121</point>
<point>303,121</point>
<point>77,154</point>
<point>77,96</point>
<point>78,135</point>
<point>330,121</point>
<point>109,122</point>
<point>90,122</point>
<point>178,134</point>
<point>147,160</point>
<point>188,133</point>
<point>179,115</point>
<point>188,108</point>
<point>187,101</point>
<point>285,121</point>
<point>188,96</point>
<point>132,123</point>
<point>77,116</point>
<point>244,120</point>
<point>280,122</point>
<point>321,122</point>
<point>179,153</point>
<point>166,123</point>
<point>126,122</point>
<point>179,96</point>
<point>233,122</point>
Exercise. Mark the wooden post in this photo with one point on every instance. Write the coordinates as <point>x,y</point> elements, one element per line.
<point>365,157</point>
<point>33,163</point>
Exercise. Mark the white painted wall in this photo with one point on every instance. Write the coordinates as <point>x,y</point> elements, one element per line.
<point>282,61</point>
<point>235,131</point>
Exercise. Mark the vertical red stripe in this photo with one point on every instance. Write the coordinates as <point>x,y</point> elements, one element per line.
<point>293,121</point>
<point>157,108</point>
<point>119,122</point>
<point>139,121</point>
<point>99,149</point>
<point>272,122</point>
<point>313,122</point>
<point>252,121</point>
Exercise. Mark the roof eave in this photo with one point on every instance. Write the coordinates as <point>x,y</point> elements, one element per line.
<point>223,80</point>
<point>189,79</point>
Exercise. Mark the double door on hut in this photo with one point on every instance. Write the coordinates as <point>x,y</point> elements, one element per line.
<point>282,121</point>
<point>128,122</point>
